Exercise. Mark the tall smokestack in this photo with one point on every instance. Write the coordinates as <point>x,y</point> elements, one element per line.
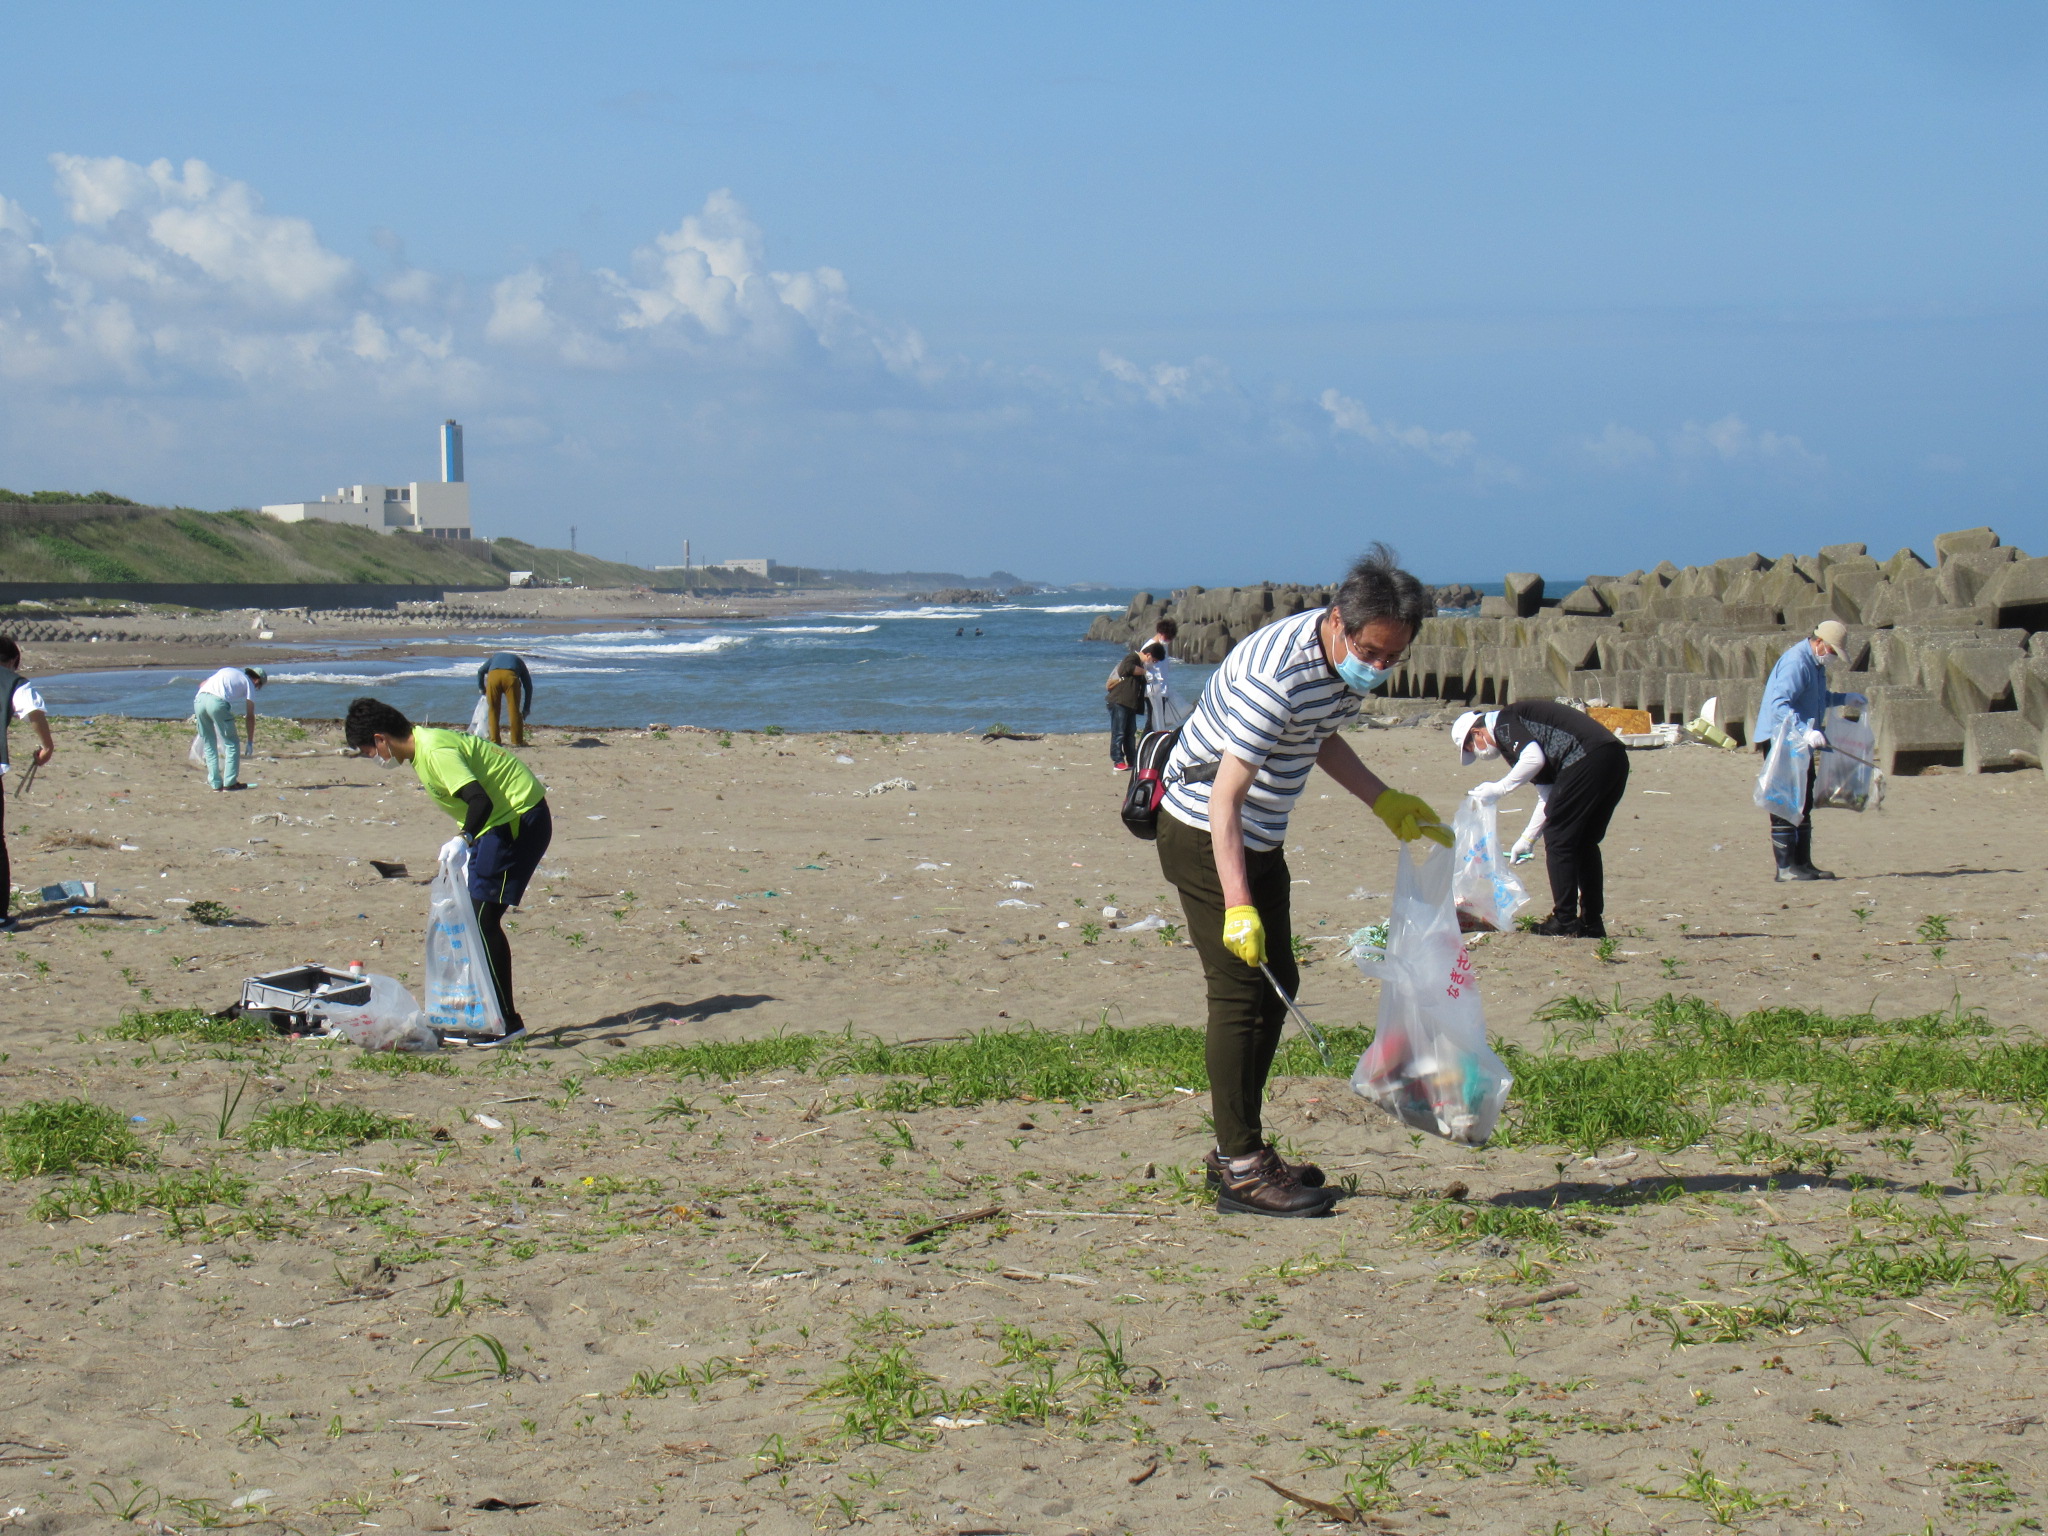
<point>451,451</point>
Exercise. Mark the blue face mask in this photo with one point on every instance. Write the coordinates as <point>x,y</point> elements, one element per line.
<point>1359,676</point>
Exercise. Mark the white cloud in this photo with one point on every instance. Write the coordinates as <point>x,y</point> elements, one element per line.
<point>1351,417</point>
<point>1618,447</point>
<point>218,226</point>
<point>703,289</point>
<point>1730,440</point>
<point>1168,383</point>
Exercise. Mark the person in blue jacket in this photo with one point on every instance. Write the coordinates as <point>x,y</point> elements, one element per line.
<point>1798,688</point>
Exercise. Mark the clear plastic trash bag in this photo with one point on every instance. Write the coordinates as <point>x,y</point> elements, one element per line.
<point>390,1021</point>
<point>480,717</point>
<point>1845,775</point>
<point>1487,893</point>
<point>460,997</point>
<point>197,756</point>
<point>1429,1065</point>
<point>1781,786</point>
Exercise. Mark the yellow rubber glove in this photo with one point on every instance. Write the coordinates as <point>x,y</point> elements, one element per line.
<point>1244,935</point>
<point>1409,817</point>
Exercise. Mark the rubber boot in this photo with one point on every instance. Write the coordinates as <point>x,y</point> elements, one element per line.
<point>1802,853</point>
<point>1785,849</point>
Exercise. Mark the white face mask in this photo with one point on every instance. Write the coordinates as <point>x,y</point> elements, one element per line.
<point>1485,753</point>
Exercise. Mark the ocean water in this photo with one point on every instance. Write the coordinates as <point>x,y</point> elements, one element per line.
<point>883,669</point>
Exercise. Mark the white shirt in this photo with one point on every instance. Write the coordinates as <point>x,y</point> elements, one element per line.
<point>230,683</point>
<point>26,702</point>
<point>1271,703</point>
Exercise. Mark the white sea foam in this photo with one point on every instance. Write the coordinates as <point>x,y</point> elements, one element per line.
<point>955,614</point>
<point>816,629</point>
<point>373,679</point>
<point>705,646</point>
<point>1077,608</point>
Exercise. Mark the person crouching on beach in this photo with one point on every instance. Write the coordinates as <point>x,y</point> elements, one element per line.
<point>1269,714</point>
<point>503,809</point>
<point>213,710</point>
<point>1580,770</point>
<point>18,701</point>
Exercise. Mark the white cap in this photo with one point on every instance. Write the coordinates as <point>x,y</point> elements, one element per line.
<point>1462,728</point>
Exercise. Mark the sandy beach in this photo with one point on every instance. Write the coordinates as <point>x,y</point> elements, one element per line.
<point>686,1275</point>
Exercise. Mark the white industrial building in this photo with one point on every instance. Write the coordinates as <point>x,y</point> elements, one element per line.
<point>438,509</point>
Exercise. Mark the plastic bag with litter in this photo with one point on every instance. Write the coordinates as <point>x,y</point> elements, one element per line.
<point>1486,891</point>
<point>1781,786</point>
<point>197,756</point>
<point>390,1021</point>
<point>1429,1065</point>
<point>1845,775</point>
<point>480,717</point>
<point>460,996</point>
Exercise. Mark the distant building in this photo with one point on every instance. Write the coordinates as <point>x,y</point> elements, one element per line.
<point>753,567</point>
<point>437,509</point>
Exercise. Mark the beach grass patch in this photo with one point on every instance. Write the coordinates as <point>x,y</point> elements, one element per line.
<point>1081,1066</point>
<point>191,1024</point>
<point>1662,1073</point>
<point>59,1135</point>
<point>306,1126</point>
<point>181,1197</point>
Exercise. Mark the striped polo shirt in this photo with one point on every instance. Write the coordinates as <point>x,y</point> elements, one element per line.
<point>1271,703</point>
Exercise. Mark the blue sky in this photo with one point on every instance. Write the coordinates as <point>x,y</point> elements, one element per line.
<point>1145,293</point>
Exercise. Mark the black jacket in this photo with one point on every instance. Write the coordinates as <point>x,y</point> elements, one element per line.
<point>1562,732</point>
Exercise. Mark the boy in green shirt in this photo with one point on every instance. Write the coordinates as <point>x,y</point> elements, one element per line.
<point>503,809</point>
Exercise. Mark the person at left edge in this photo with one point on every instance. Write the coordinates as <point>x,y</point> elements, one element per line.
<point>503,809</point>
<point>508,689</point>
<point>18,701</point>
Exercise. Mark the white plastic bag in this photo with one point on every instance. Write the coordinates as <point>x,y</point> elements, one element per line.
<point>390,1021</point>
<point>197,756</point>
<point>1487,893</point>
<point>480,717</point>
<point>1429,1065</point>
<point>1845,775</point>
<point>460,997</point>
<point>1781,786</point>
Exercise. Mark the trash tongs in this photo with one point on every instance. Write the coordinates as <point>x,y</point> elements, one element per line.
<point>1307,1025</point>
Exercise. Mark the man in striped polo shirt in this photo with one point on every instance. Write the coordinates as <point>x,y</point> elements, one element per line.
<point>1271,712</point>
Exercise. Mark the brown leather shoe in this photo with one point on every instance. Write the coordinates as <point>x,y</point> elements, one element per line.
<point>1307,1173</point>
<point>1271,1188</point>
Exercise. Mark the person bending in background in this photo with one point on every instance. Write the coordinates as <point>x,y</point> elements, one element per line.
<point>18,701</point>
<point>1798,689</point>
<point>1270,714</point>
<point>1126,691</point>
<point>503,809</point>
<point>213,710</point>
<point>507,688</point>
<point>1580,772</point>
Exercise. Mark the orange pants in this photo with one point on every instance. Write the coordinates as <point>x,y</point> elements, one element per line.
<point>501,688</point>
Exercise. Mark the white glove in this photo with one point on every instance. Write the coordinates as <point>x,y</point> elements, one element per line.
<point>1816,740</point>
<point>1521,853</point>
<point>449,848</point>
<point>1486,794</point>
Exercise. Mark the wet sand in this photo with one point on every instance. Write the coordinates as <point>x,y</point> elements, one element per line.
<point>706,888</point>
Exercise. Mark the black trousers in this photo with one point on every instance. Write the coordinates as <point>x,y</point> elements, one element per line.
<point>6,866</point>
<point>1582,802</point>
<point>1245,1014</point>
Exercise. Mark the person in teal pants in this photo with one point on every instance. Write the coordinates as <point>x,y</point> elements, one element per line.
<point>213,709</point>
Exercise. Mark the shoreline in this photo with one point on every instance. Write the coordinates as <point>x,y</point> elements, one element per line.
<point>230,636</point>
